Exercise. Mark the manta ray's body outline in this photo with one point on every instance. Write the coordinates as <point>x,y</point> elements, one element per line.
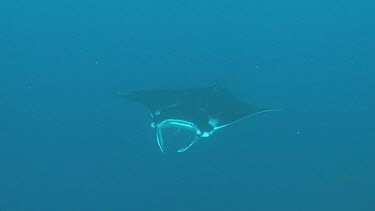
<point>204,110</point>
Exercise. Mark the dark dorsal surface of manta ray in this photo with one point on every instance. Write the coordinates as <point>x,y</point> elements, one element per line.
<point>202,110</point>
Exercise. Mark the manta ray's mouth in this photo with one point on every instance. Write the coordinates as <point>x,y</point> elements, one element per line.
<point>186,133</point>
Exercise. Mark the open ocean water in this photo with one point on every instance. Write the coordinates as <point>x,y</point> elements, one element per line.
<point>67,142</point>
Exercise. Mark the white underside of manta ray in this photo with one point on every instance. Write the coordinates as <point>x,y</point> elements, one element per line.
<point>202,110</point>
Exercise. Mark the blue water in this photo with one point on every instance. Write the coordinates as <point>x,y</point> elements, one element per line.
<point>68,143</point>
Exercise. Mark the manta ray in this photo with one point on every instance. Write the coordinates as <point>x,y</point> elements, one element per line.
<point>201,110</point>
